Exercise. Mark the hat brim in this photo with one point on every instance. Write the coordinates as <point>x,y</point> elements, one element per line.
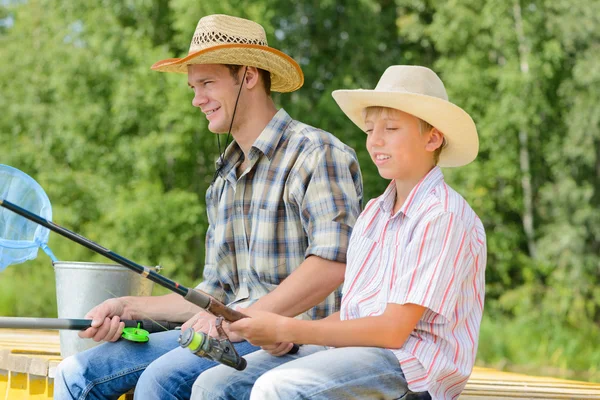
<point>286,74</point>
<point>462,142</point>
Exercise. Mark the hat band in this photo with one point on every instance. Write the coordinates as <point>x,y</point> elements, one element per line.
<point>204,40</point>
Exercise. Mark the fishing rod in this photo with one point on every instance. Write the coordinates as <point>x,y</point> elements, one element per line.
<point>194,296</point>
<point>135,330</point>
<point>219,349</point>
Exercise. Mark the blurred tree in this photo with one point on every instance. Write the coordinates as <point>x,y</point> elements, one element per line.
<point>525,70</point>
<point>570,200</point>
<point>126,159</point>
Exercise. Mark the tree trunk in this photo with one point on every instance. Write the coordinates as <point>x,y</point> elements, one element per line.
<point>524,161</point>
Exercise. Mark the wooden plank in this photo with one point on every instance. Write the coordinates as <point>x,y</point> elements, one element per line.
<point>52,364</point>
<point>494,391</point>
<point>493,374</point>
<point>486,375</point>
<point>37,353</point>
<point>28,365</point>
<point>487,383</point>
<point>30,340</point>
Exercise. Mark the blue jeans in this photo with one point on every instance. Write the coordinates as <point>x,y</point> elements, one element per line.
<point>160,368</point>
<point>314,373</point>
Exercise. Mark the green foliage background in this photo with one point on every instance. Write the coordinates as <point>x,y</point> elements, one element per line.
<point>125,159</point>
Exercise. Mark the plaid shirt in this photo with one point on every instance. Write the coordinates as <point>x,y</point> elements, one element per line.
<point>299,196</point>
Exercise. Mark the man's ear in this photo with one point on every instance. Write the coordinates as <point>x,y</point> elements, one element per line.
<point>435,141</point>
<point>252,77</point>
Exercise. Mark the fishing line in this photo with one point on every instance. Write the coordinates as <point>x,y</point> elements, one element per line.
<point>146,316</point>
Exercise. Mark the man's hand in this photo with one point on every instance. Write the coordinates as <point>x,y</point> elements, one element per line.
<point>205,322</point>
<point>260,329</point>
<point>106,321</point>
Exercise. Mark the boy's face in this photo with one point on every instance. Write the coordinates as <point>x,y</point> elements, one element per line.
<point>396,147</point>
<point>215,91</point>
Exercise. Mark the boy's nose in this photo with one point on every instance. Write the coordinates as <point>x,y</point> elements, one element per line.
<point>375,138</point>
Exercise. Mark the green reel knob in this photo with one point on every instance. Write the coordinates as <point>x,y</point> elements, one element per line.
<point>135,334</point>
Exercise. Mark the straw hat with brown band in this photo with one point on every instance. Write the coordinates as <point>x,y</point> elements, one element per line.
<point>223,39</point>
<point>418,91</point>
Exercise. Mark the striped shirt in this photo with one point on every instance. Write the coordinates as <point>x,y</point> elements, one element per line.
<point>300,196</point>
<point>432,252</point>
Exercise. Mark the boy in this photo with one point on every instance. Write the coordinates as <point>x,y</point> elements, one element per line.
<point>414,284</point>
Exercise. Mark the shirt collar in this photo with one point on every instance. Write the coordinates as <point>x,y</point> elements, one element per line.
<point>269,138</point>
<point>416,195</point>
<point>266,143</point>
<point>231,157</point>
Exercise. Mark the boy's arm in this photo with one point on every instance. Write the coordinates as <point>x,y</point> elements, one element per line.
<point>333,317</point>
<point>388,330</point>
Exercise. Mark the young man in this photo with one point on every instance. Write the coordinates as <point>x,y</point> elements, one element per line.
<point>281,210</point>
<point>414,287</point>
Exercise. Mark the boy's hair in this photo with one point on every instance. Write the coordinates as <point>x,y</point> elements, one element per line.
<point>424,127</point>
<point>265,75</point>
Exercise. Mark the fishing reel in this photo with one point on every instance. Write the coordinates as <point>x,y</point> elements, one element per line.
<point>219,349</point>
<point>138,330</point>
<point>135,334</point>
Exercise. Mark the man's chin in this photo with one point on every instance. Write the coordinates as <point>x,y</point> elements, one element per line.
<point>218,130</point>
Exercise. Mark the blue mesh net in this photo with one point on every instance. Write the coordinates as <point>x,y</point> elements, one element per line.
<point>20,238</point>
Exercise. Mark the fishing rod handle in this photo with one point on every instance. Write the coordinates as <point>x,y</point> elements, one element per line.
<point>213,306</point>
<point>151,326</point>
<point>79,324</point>
<point>218,309</point>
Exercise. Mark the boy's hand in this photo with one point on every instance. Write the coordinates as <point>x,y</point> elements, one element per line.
<point>205,322</point>
<point>278,349</point>
<point>260,329</point>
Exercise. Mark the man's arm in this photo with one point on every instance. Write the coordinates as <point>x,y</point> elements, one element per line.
<point>327,192</point>
<point>307,286</point>
<point>106,317</point>
<point>170,307</point>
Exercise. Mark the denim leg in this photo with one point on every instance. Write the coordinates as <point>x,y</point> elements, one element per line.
<point>342,373</point>
<point>111,369</point>
<point>171,376</point>
<point>224,383</point>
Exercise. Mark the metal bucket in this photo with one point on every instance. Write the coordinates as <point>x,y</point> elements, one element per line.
<point>81,286</point>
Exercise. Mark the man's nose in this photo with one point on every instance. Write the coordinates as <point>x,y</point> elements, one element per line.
<point>199,99</point>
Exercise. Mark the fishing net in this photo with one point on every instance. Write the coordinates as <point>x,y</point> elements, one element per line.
<point>20,238</point>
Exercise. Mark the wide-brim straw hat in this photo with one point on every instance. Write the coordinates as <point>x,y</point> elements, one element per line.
<point>223,39</point>
<point>418,91</point>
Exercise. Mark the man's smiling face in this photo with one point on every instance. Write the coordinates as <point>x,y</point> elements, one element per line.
<point>215,92</point>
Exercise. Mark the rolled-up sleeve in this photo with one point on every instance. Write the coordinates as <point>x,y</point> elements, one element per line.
<point>328,192</point>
